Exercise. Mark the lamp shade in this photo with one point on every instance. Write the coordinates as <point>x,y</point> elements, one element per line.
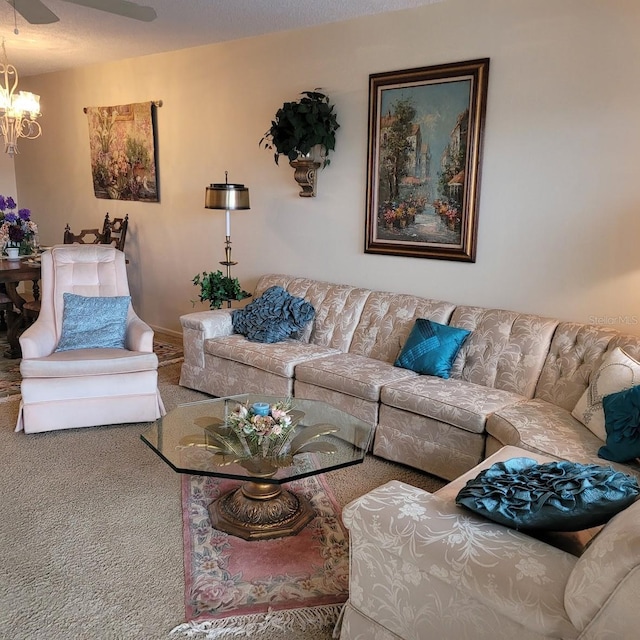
<point>226,196</point>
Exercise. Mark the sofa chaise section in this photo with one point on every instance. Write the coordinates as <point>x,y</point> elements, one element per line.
<point>422,567</point>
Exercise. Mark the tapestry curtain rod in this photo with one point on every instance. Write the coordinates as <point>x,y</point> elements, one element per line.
<point>155,103</point>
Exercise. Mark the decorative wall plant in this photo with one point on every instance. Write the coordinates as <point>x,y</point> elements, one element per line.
<point>305,132</point>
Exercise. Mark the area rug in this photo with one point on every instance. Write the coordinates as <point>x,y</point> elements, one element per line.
<point>10,369</point>
<point>238,588</point>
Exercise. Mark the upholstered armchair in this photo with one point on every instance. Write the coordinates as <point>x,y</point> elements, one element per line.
<point>100,381</point>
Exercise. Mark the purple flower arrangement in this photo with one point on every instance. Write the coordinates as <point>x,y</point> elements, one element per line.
<point>16,229</point>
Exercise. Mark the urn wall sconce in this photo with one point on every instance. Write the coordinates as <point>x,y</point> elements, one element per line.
<point>305,174</point>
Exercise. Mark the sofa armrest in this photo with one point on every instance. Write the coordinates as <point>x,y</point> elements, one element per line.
<point>139,335</point>
<point>516,575</point>
<point>200,326</point>
<point>38,340</point>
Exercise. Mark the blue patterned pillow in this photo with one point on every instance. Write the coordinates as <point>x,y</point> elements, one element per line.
<point>554,496</point>
<point>93,322</point>
<point>273,317</point>
<point>431,348</point>
<point>622,424</point>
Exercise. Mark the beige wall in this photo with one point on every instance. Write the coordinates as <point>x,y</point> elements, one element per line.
<point>559,221</point>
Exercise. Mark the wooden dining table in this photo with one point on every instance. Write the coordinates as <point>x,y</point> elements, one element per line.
<point>12,273</point>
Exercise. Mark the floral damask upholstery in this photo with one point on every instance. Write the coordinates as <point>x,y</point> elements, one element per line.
<point>515,380</point>
<point>575,352</point>
<point>422,567</point>
<point>222,363</point>
<point>505,350</point>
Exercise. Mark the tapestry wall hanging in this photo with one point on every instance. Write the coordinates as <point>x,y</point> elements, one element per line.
<point>123,151</point>
<point>425,138</point>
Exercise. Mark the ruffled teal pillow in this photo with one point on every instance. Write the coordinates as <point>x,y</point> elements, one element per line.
<point>554,496</point>
<point>622,424</point>
<point>431,348</point>
<point>93,322</point>
<point>273,317</point>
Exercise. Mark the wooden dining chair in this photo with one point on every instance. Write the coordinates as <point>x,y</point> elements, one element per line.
<point>86,236</point>
<point>115,231</point>
<point>5,307</point>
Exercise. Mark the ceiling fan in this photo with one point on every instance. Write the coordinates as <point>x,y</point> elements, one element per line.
<point>35,12</point>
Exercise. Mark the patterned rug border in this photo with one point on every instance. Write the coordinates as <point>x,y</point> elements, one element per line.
<point>303,619</point>
<point>313,611</point>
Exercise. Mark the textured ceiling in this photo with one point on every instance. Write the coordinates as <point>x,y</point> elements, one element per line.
<point>86,36</point>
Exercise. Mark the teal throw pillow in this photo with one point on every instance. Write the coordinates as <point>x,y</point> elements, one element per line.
<point>555,496</point>
<point>622,424</point>
<point>431,348</point>
<point>273,317</point>
<point>93,322</point>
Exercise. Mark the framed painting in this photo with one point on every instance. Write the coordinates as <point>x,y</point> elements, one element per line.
<point>425,143</point>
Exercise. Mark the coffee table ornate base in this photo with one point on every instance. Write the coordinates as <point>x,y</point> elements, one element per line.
<point>259,511</point>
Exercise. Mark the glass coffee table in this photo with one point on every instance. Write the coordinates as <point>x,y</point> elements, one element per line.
<point>222,438</point>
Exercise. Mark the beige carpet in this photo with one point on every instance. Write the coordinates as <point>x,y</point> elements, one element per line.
<point>91,530</point>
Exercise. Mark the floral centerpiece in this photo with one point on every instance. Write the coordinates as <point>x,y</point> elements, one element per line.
<point>266,432</point>
<point>16,229</point>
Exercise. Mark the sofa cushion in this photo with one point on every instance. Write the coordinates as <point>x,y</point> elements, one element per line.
<point>273,317</point>
<point>351,374</point>
<point>546,428</point>
<point>617,372</point>
<point>431,348</point>
<point>87,363</point>
<point>575,352</point>
<point>387,320</point>
<point>456,402</point>
<point>557,496</point>
<point>279,358</point>
<point>622,422</point>
<point>93,322</point>
<point>338,307</point>
<point>506,350</point>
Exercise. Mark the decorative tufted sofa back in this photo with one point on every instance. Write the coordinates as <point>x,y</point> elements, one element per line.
<point>387,320</point>
<point>505,350</point>
<point>575,352</point>
<point>338,307</point>
<point>86,270</point>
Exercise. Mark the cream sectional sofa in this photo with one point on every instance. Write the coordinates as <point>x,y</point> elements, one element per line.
<point>514,382</point>
<point>422,568</point>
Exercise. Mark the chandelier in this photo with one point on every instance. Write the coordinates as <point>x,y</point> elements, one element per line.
<point>18,110</point>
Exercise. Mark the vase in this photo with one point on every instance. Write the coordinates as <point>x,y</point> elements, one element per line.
<point>13,253</point>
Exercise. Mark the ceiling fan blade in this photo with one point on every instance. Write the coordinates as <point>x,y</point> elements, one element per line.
<point>33,11</point>
<point>120,8</point>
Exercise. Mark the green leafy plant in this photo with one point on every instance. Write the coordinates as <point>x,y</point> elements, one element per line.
<point>299,126</point>
<point>217,288</point>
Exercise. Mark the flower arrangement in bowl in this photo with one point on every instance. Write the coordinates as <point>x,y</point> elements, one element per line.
<point>16,229</point>
<point>263,429</point>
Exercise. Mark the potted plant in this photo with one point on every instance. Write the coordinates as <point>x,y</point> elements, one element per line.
<point>217,288</point>
<point>300,126</point>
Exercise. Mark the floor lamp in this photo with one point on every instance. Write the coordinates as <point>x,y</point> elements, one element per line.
<point>227,197</point>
